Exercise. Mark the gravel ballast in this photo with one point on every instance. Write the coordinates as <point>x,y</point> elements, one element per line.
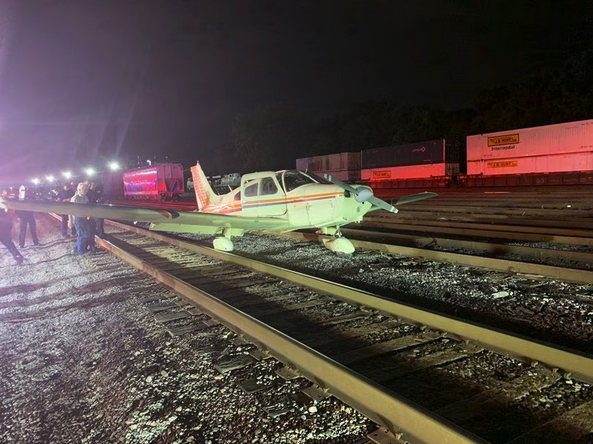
<point>84,361</point>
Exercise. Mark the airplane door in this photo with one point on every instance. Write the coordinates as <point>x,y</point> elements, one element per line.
<point>262,196</point>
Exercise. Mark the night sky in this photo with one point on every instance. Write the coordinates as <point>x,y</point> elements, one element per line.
<point>84,81</point>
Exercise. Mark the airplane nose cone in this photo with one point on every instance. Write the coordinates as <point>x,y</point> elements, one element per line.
<point>363,195</point>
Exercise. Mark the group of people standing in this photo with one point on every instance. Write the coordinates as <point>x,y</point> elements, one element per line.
<point>83,228</point>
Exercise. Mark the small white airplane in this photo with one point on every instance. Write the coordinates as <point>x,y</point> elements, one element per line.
<point>279,201</point>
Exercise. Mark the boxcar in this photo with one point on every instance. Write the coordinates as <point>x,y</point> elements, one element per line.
<point>157,182</point>
<point>544,149</point>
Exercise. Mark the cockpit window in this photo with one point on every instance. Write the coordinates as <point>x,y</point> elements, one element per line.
<point>268,187</point>
<point>294,179</point>
<point>251,190</point>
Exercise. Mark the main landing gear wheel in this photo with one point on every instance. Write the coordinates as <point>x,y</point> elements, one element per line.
<point>223,244</point>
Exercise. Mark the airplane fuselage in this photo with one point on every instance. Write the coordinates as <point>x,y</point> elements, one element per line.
<point>311,204</point>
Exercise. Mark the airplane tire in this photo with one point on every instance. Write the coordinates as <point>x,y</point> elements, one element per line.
<point>223,244</point>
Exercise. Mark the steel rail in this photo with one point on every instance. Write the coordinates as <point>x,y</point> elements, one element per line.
<point>575,223</point>
<point>478,202</point>
<point>382,406</point>
<point>484,232</point>
<point>492,211</point>
<point>534,351</point>
<point>483,226</point>
<point>496,220</point>
<point>489,247</point>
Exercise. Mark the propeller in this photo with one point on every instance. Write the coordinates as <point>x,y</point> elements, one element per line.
<point>365,194</point>
<point>362,194</point>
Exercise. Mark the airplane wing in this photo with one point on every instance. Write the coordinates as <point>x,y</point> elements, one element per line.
<point>415,197</point>
<point>401,201</point>
<point>160,220</point>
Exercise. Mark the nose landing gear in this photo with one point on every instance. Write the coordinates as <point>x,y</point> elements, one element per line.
<point>223,244</point>
<point>337,242</point>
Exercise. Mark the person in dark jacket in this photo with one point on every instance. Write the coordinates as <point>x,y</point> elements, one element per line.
<point>27,218</point>
<point>6,236</point>
<point>64,195</point>
<point>95,195</point>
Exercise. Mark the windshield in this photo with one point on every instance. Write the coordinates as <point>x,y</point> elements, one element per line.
<point>318,178</point>
<point>294,179</point>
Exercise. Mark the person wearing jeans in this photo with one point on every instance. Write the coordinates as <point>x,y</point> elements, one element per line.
<point>81,224</point>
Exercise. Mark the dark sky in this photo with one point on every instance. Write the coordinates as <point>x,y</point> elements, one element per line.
<point>83,80</point>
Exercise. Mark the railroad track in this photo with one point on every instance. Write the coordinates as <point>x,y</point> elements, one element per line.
<point>552,251</point>
<point>422,376</point>
<point>521,231</point>
<point>475,254</point>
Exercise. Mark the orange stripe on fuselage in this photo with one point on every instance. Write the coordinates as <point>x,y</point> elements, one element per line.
<point>237,206</point>
<point>295,198</point>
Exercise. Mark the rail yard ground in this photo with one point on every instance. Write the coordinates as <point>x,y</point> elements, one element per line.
<point>83,361</point>
<point>84,358</point>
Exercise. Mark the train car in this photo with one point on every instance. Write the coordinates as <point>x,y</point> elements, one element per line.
<point>113,185</point>
<point>556,148</point>
<point>342,166</point>
<point>157,182</point>
<point>420,160</point>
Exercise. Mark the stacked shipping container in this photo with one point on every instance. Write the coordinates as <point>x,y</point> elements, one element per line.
<point>343,166</point>
<point>433,158</point>
<point>543,149</point>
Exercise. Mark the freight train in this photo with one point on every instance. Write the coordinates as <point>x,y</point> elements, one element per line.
<point>544,155</point>
<point>560,154</point>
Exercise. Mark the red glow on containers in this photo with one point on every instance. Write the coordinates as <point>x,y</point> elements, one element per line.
<point>543,149</point>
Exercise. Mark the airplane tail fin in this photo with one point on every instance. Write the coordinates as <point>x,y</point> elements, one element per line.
<point>204,194</point>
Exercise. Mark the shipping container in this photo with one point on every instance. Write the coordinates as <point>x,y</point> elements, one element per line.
<point>157,182</point>
<point>544,149</point>
<point>342,166</point>
<point>432,158</point>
